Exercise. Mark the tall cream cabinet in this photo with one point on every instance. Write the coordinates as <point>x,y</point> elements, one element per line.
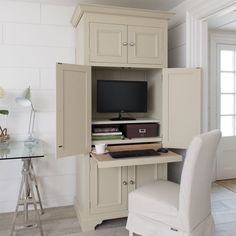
<point>121,44</point>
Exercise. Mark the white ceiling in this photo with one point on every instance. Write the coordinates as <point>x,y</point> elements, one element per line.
<point>147,4</point>
<point>225,22</point>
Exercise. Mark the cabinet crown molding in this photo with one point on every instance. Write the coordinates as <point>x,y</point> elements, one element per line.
<point>104,9</point>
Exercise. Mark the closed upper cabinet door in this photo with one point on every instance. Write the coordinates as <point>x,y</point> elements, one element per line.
<point>73,110</point>
<point>108,43</point>
<point>146,45</point>
<point>181,106</point>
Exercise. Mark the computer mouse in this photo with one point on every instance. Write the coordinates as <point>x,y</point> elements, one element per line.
<point>163,150</point>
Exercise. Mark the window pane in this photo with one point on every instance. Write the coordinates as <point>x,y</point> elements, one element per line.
<point>227,104</point>
<point>227,125</point>
<point>227,83</point>
<point>226,60</point>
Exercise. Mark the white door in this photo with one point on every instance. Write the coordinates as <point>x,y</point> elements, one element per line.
<point>181,106</point>
<point>226,110</point>
<point>108,43</point>
<point>73,110</point>
<point>146,45</point>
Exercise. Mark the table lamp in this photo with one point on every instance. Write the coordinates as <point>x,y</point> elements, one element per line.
<point>25,101</point>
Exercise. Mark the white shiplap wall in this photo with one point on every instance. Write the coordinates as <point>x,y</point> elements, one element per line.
<point>33,37</point>
<point>177,46</point>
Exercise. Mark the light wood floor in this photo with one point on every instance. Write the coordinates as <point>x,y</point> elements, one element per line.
<point>224,211</point>
<point>229,184</point>
<point>63,222</point>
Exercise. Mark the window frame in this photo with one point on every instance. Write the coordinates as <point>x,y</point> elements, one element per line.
<point>228,47</point>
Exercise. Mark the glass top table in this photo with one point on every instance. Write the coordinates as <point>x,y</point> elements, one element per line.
<point>18,150</point>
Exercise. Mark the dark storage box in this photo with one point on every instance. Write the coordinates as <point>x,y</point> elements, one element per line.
<point>141,130</point>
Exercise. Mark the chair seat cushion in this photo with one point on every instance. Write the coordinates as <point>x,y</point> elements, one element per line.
<point>158,201</point>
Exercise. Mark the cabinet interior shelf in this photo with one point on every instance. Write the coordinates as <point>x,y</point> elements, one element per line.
<point>126,140</point>
<point>106,122</point>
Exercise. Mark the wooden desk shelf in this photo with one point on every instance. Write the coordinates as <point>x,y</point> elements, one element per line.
<point>106,161</point>
<point>128,141</point>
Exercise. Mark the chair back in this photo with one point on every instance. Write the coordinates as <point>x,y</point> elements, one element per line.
<point>196,179</point>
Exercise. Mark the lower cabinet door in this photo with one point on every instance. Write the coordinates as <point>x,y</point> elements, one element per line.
<point>109,189</point>
<point>145,174</point>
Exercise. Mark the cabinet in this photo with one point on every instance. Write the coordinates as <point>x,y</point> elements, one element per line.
<point>121,44</point>
<point>114,43</point>
<point>114,36</point>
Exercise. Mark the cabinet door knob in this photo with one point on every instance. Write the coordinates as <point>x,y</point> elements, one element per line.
<point>124,43</point>
<point>125,183</point>
<point>60,146</point>
<point>131,182</point>
<point>131,44</point>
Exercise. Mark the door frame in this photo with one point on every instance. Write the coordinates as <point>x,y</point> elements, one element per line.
<point>197,47</point>
<point>196,14</point>
<point>197,38</point>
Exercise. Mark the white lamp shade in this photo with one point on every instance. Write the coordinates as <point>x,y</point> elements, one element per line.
<point>25,100</point>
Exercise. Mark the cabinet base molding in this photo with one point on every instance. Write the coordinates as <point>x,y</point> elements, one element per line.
<point>89,222</point>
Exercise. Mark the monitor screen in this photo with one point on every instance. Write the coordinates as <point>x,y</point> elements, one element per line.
<point>121,96</point>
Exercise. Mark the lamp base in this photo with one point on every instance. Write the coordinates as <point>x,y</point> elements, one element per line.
<point>30,141</point>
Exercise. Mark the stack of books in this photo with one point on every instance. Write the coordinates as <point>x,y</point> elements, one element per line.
<point>106,133</point>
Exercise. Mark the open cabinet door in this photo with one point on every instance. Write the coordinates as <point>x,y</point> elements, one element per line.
<point>73,109</point>
<point>181,106</point>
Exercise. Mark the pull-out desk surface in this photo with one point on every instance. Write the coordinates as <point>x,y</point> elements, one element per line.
<point>106,161</point>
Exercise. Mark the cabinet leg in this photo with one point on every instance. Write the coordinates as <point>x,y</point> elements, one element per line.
<point>89,225</point>
<point>131,233</point>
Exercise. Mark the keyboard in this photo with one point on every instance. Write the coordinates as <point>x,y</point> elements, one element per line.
<point>135,153</point>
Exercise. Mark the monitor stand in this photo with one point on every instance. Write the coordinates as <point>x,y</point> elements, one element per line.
<point>122,118</point>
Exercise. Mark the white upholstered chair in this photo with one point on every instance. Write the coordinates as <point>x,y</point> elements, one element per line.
<point>164,208</point>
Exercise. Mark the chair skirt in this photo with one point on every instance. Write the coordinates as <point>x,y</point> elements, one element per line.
<point>149,227</point>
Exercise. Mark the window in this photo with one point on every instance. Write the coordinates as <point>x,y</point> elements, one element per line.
<point>227,89</point>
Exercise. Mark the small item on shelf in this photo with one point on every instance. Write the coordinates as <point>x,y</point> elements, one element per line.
<point>104,134</point>
<point>107,137</point>
<point>100,148</point>
<point>163,150</point>
<point>105,129</point>
<point>141,130</point>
